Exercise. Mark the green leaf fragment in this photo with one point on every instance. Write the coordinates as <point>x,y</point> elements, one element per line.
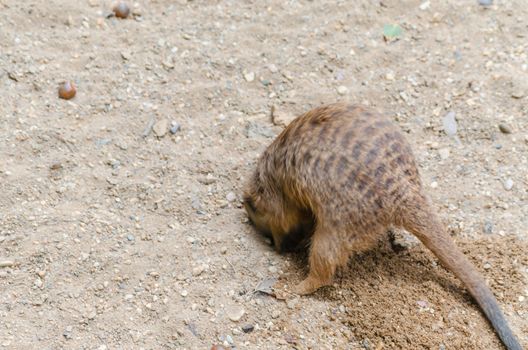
<point>391,31</point>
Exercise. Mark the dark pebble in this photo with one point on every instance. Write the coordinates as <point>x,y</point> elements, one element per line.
<point>248,328</point>
<point>505,129</point>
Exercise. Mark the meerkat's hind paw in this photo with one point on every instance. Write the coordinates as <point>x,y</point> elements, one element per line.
<point>395,243</point>
<point>309,286</point>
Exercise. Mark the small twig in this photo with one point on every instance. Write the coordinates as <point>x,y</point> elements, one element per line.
<point>229,262</point>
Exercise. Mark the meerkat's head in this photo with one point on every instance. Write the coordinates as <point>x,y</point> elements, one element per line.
<point>258,216</point>
<point>260,202</point>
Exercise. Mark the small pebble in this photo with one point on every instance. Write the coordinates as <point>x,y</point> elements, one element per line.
<point>281,117</point>
<point>56,166</point>
<point>184,293</point>
<point>229,340</point>
<point>488,227</point>
<point>342,90</point>
<point>235,313</point>
<point>508,184</point>
<point>218,347</point>
<point>450,124</point>
<point>231,197</point>
<point>249,76</point>
<point>273,68</point>
<point>425,5</point>
<point>175,127</point>
<point>67,332</point>
<point>131,238</point>
<point>198,270</point>
<point>275,314</point>
<point>67,90</point>
<point>160,127</point>
<point>444,153</point>
<point>248,328</point>
<point>7,263</point>
<point>518,94</point>
<point>366,344</point>
<point>422,304</point>
<point>487,266</point>
<point>505,129</point>
<point>121,10</point>
<point>126,55</point>
<point>485,2</point>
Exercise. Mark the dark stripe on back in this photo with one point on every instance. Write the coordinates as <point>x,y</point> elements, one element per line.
<point>342,165</point>
<point>371,155</point>
<point>369,130</point>
<point>307,157</point>
<point>329,162</point>
<point>380,171</point>
<point>347,137</point>
<point>323,133</point>
<point>362,183</point>
<point>396,146</point>
<point>357,150</point>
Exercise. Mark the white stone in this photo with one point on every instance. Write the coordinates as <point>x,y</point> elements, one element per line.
<point>342,90</point>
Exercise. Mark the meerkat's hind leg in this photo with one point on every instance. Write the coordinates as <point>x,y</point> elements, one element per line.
<point>327,252</point>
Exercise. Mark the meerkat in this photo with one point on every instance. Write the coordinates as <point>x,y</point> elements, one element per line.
<point>338,177</point>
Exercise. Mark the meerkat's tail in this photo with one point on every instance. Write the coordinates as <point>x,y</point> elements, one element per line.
<point>423,223</point>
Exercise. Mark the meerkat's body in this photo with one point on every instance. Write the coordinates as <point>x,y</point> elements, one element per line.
<point>340,176</point>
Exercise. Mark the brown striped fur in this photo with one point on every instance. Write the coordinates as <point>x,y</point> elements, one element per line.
<point>338,177</point>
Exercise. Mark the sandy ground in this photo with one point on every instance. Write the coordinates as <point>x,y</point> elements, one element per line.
<point>116,240</point>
